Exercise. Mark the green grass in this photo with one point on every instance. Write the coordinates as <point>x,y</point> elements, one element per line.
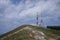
<point>24,34</point>
<point>20,27</point>
<point>49,32</point>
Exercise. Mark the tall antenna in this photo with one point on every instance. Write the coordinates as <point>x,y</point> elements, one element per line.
<point>41,20</point>
<point>37,19</point>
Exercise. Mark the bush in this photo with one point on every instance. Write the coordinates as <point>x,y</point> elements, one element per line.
<point>54,27</point>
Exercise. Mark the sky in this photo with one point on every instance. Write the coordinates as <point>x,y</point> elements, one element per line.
<point>14,13</point>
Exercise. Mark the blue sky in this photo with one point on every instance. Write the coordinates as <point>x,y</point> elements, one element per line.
<point>14,13</point>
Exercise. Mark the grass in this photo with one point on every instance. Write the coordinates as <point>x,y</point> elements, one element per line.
<point>24,34</point>
<point>49,32</point>
<point>10,32</point>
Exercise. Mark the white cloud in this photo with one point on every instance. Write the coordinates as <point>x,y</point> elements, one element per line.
<point>13,11</point>
<point>21,12</point>
<point>4,2</point>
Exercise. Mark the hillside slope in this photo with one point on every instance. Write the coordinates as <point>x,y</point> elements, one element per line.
<point>29,32</point>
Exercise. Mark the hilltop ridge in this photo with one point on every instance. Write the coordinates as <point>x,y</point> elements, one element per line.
<point>29,32</point>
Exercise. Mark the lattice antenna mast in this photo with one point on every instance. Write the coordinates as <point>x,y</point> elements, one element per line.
<point>41,19</point>
<point>37,19</point>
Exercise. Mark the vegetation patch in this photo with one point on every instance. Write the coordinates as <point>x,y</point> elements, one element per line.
<point>29,32</point>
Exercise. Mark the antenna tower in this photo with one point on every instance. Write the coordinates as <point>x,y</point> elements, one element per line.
<point>37,18</point>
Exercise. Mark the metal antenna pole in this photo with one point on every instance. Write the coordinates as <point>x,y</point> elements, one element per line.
<point>41,19</point>
<point>37,19</point>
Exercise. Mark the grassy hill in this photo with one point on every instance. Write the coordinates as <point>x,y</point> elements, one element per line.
<point>29,32</point>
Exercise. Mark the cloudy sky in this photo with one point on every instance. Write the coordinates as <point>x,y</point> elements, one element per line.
<point>14,13</point>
